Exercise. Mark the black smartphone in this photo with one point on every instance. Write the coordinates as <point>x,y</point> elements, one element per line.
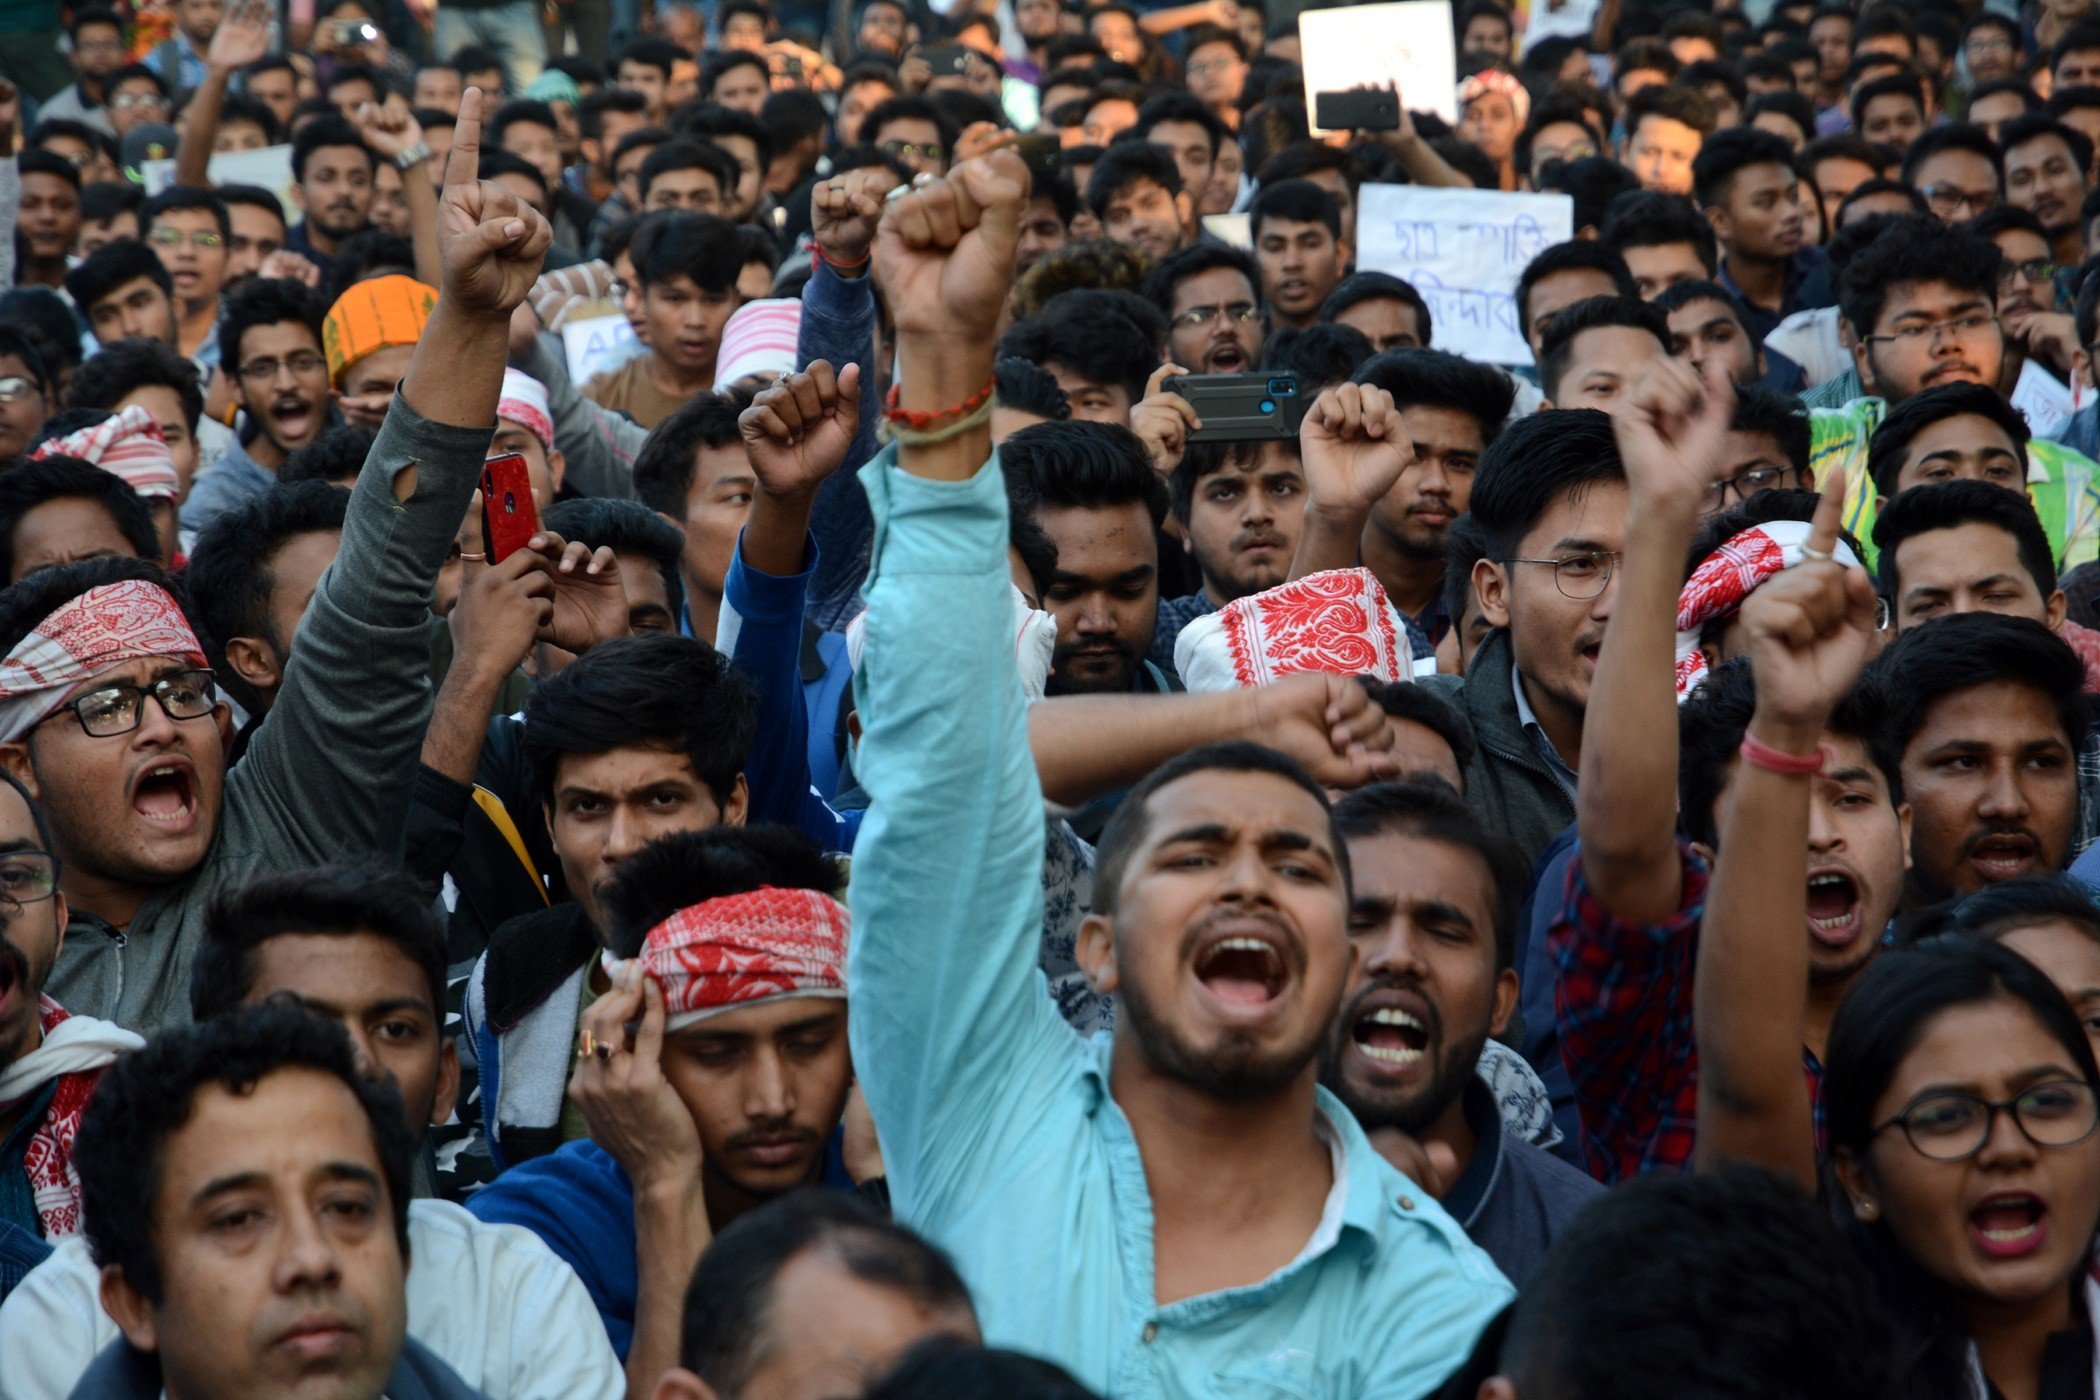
<point>946,60</point>
<point>1358,109</point>
<point>1043,155</point>
<point>1242,407</point>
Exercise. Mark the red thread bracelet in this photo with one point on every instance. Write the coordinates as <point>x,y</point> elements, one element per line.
<point>1792,765</point>
<point>816,253</point>
<point>919,421</point>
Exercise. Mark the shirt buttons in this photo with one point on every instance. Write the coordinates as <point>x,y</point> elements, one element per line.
<point>1151,1331</point>
<point>1407,1203</point>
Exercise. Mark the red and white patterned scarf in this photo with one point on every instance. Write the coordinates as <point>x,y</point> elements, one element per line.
<point>747,948</point>
<point>1339,621</point>
<point>128,445</point>
<point>103,627</point>
<point>74,1051</point>
<point>1726,577</point>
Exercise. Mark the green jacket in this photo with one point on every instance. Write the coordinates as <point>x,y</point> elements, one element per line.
<point>329,776</point>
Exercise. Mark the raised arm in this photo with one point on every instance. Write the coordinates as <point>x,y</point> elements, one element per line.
<point>1809,631</point>
<point>1669,434</point>
<point>392,132</point>
<point>242,38</point>
<point>338,760</point>
<point>1354,446</point>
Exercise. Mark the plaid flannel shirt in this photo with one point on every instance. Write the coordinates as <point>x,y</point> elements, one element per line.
<point>1622,996</point>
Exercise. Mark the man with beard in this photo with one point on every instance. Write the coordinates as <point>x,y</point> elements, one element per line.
<point>1135,190</point>
<point>1433,909</point>
<point>1453,410</point>
<point>1214,320</point>
<point>1209,1210</point>
<point>1987,712</point>
<point>1624,937</point>
<point>2040,335</point>
<point>712,1074</point>
<point>1100,501</point>
<point>2046,173</point>
<point>111,719</point>
<point>332,174</point>
<point>270,348</point>
<point>49,1061</point>
<point>257,219</point>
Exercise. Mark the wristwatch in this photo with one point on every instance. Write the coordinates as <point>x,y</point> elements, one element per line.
<point>414,156</point>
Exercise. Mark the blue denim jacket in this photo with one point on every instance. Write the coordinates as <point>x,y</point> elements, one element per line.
<point>1001,1138</point>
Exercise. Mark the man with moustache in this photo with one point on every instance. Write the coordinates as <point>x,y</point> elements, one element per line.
<point>1454,410</point>
<point>1240,505</point>
<point>50,1061</point>
<point>332,168</point>
<point>270,347</point>
<point>1209,295</point>
<point>1434,903</point>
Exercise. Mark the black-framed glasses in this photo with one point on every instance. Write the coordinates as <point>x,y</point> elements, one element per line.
<point>1579,576</point>
<point>1927,333</point>
<point>1243,312</point>
<point>2037,271</point>
<point>1954,202</point>
<point>301,365</point>
<point>14,386</point>
<point>1746,484</point>
<point>28,876</point>
<point>117,709</point>
<point>905,150</point>
<point>1953,1126</point>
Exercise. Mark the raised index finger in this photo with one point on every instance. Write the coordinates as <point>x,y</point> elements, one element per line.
<point>1830,513</point>
<point>463,165</point>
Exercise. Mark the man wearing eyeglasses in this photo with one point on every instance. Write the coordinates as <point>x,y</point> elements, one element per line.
<point>1214,319</point>
<point>191,230</point>
<point>270,347</point>
<point>50,1061</point>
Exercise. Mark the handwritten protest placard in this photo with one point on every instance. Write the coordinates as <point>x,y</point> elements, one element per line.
<point>1380,46</point>
<point>598,343</point>
<point>1463,250</point>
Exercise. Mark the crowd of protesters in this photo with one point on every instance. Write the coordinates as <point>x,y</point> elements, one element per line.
<point>648,750</point>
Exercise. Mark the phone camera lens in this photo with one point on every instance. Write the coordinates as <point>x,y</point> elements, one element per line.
<point>1283,388</point>
<point>510,503</point>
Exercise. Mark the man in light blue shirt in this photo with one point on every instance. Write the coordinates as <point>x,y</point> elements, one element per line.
<point>1176,1209</point>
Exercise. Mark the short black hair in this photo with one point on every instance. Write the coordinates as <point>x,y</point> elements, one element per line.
<point>94,14</point>
<point>1124,164</point>
<point>253,197</point>
<point>337,456</point>
<point>1860,191</point>
<point>1725,154</point>
<point>187,197</point>
<point>1994,911</point>
<point>1890,444</point>
<point>703,247</point>
<point>1903,84</point>
<point>1360,287</point>
<point>35,160</point>
<point>1296,201</point>
<point>906,108</point>
<point>954,1369</point>
<point>681,154</point>
<point>1425,378</point>
<point>2035,126</point>
<point>1609,1315</point>
<point>1790,105</point>
<point>1845,145</point>
<point>331,899</point>
<point>103,200</point>
<point>651,51</point>
<point>1655,219</point>
<point>1107,337</point>
<point>1029,388</point>
<point>1126,829</point>
<point>32,483</point>
<point>1781,416</point>
<point>1090,466</point>
<point>1710,729</point>
<point>1918,250</point>
<point>1179,105</point>
<point>710,121</point>
<point>2072,99</point>
<point>323,131</point>
<point>265,301</point>
<point>1679,295</point>
<point>722,62</point>
<point>674,694</point>
<point>1430,811</point>
<point>1945,505</point>
<point>230,576</point>
<point>1537,460</point>
<point>663,469</point>
<point>1553,111</point>
<point>521,111</point>
<point>651,136</point>
<point>1465,544</point>
<point>590,112</point>
<point>114,265</point>
<point>793,115</point>
<point>624,527</point>
<point>1557,345</point>
<point>497,161</point>
<point>727,1325</point>
<point>685,868</point>
<point>146,1097</point>
<point>1956,136</point>
<point>1948,655</point>
<point>1321,354</point>
<point>134,363</point>
<point>41,318</point>
<point>1193,261</point>
<point>1577,254</point>
<point>1303,159</point>
<point>1681,105</point>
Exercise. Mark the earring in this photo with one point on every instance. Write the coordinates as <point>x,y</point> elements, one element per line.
<point>1866,1210</point>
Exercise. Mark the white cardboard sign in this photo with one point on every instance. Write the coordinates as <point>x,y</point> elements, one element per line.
<point>1407,44</point>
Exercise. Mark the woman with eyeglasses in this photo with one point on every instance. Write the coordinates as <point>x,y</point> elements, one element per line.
<point>1961,1097</point>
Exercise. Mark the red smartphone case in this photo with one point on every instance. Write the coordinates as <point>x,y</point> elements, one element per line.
<point>509,519</point>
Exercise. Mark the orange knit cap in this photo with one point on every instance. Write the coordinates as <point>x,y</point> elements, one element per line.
<point>372,315</point>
